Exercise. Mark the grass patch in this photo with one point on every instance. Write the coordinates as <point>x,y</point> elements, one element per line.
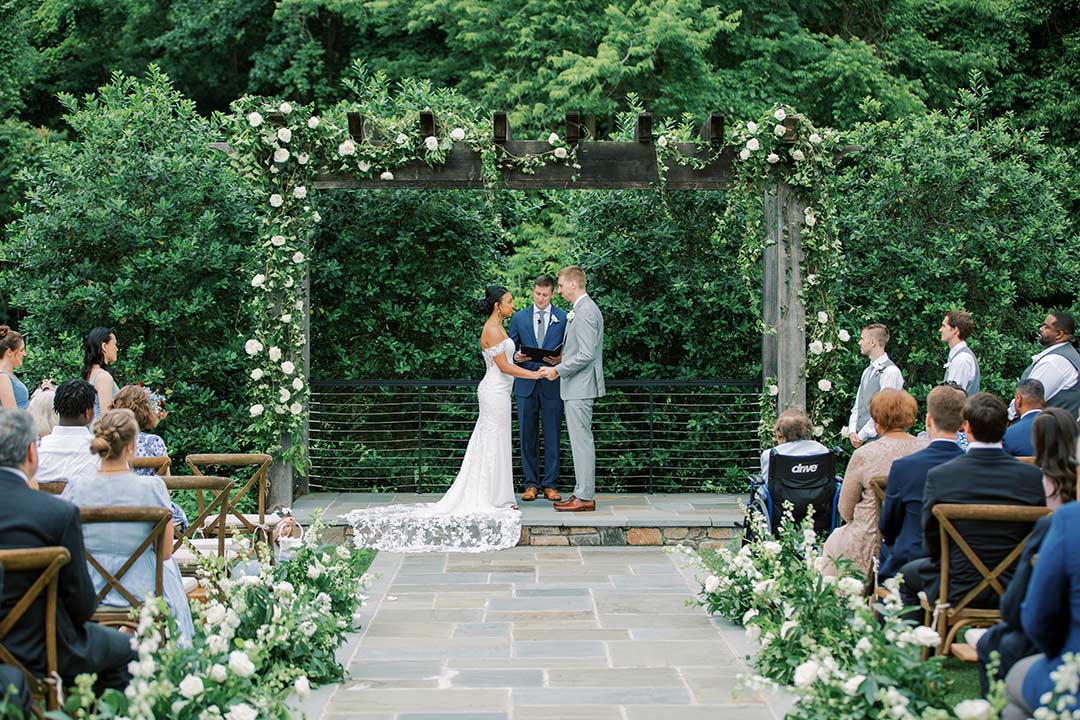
<point>964,677</point>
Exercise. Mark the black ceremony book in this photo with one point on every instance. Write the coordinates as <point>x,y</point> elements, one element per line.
<point>538,354</point>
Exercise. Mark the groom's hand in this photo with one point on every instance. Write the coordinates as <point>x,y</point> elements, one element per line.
<point>549,373</point>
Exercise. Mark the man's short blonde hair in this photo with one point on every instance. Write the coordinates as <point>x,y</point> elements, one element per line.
<point>573,274</point>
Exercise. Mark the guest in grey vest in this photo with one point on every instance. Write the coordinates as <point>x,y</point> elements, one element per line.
<point>581,368</point>
<point>880,373</point>
<point>962,368</point>
<point>1058,366</point>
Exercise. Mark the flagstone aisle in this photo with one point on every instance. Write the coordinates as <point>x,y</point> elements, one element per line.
<point>540,633</point>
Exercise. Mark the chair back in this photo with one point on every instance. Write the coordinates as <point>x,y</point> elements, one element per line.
<point>160,464</point>
<point>878,484</point>
<point>1029,459</point>
<point>217,507</point>
<point>804,481</point>
<point>53,487</point>
<point>48,561</point>
<point>257,480</point>
<point>159,520</point>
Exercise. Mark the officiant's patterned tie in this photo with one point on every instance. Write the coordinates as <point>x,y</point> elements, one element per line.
<point>541,331</point>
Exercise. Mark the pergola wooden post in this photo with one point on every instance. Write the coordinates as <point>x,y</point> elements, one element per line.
<point>609,165</point>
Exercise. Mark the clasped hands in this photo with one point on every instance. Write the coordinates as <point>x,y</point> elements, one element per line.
<point>548,373</point>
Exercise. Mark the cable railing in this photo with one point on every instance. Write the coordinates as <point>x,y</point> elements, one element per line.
<point>650,435</point>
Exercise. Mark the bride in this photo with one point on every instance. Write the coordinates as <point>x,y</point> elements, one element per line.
<point>477,513</point>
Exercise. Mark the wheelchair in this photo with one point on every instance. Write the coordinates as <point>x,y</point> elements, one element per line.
<point>803,480</point>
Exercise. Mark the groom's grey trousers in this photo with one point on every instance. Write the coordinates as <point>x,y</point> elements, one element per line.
<point>578,414</point>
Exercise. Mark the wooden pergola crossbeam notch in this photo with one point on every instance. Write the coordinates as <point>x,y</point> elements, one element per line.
<point>605,165</point>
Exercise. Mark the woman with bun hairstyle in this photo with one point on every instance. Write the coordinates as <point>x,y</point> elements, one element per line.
<point>13,394</point>
<point>115,485</point>
<point>100,351</point>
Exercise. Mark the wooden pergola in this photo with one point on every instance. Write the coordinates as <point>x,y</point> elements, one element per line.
<point>612,165</point>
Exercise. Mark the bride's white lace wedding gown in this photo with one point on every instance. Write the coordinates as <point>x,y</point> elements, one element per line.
<point>475,514</point>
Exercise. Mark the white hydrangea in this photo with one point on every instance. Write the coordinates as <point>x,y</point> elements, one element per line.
<point>214,614</point>
<point>850,587</point>
<point>771,547</point>
<point>925,636</point>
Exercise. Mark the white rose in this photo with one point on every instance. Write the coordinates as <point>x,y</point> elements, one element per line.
<point>364,166</point>
<point>285,108</point>
<point>811,279</point>
<point>298,384</point>
<point>302,158</point>
<point>773,158</point>
<point>822,317</point>
<point>560,152</point>
<point>752,144</point>
<point>806,674</point>
<point>253,347</point>
<point>302,686</point>
<point>817,347</point>
<point>815,139</point>
<point>316,217</point>
<point>288,368</point>
<point>281,155</point>
<point>810,220</point>
<point>296,408</point>
<point>779,130</point>
<point>254,119</point>
<point>798,155</point>
<point>277,240</point>
<point>286,318</point>
<point>274,353</point>
<point>926,636</point>
<point>751,127</point>
<point>852,684</point>
<point>241,664</point>
<point>974,710</point>
<point>346,148</point>
<point>553,139</point>
<point>712,583</point>
<point>284,134</point>
<point>280,409</point>
<point>298,257</point>
<point>276,200</point>
<point>284,395</point>
<point>819,430</point>
<point>431,143</point>
<point>257,374</point>
<point>299,192</point>
<point>663,141</point>
<point>457,134</point>
<point>401,139</point>
<point>214,614</point>
<point>828,347</point>
<point>774,390</point>
<point>780,114</point>
<point>824,385</point>
<point>241,711</point>
<point>191,686</point>
<point>256,410</point>
<point>217,644</point>
<point>284,588</point>
<point>850,587</point>
<point>744,154</point>
<point>289,282</point>
<point>314,571</point>
<point>313,122</point>
<point>258,280</point>
<point>386,175</point>
<point>218,673</point>
<point>844,335</point>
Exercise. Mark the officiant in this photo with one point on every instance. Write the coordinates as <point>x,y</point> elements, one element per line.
<point>537,332</point>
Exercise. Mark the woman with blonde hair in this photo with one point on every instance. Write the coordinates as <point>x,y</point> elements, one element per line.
<point>115,485</point>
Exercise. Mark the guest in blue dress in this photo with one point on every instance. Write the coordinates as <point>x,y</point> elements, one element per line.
<point>13,394</point>
<point>115,485</point>
<point>99,351</point>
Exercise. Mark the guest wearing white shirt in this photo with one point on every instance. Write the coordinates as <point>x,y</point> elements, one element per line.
<point>65,452</point>
<point>962,368</point>
<point>1058,366</point>
<point>794,437</point>
<point>880,373</point>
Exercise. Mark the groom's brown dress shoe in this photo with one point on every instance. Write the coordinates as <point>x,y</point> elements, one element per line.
<point>552,495</point>
<point>577,505</point>
<point>560,503</point>
<point>530,494</point>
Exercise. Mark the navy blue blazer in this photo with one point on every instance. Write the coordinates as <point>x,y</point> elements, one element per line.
<point>901,512</point>
<point>1017,440</point>
<point>523,332</point>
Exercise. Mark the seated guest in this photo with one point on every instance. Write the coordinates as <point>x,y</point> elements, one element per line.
<point>32,519</point>
<point>1028,402</point>
<point>794,436</point>
<point>14,690</point>
<point>893,412</point>
<point>115,485</point>
<point>65,452</point>
<point>985,475</point>
<point>137,400</point>
<point>1054,436</point>
<point>901,512</point>
<point>41,409</point>
<point>1050,614</point>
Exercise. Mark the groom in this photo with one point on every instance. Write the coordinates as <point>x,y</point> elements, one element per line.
<point>581,368</point>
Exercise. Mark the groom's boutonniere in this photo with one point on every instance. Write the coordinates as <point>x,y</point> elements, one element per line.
<point>570,316</point>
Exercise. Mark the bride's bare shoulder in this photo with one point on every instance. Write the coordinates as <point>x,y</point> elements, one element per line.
<point>492,336</point>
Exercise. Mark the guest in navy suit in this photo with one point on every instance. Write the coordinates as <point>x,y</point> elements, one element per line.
<point>901,513</point>
<point>541,325</point>
<point>1050,613</point>
<point>1029,403</point>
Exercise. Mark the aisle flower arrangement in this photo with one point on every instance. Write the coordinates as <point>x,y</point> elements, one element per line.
<point>259,637</point>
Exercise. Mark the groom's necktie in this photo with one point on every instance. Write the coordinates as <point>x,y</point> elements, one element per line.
<point>541,331</point>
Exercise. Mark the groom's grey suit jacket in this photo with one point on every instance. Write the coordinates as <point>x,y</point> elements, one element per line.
<point>582,366</point>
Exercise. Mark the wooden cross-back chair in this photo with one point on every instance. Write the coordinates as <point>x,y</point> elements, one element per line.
<point>952,618</point>
<point>49,560</point>
<point>206,533</point>
<point>878,484</point>
<point>1029,459</point>
<point>159,519</point>
<point>53,487</point>
<point>249,523</point>
<point>160,464</point>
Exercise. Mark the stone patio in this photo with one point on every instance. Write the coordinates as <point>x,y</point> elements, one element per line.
<point>537,633</point>
<point>696,519</point>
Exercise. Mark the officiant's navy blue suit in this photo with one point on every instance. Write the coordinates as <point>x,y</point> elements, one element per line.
<point>538,401</point>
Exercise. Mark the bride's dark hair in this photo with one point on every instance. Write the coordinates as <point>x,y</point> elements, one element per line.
<point>492,296</point>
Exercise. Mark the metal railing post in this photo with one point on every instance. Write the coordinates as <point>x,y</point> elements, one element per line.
<point>420,438</point>
<point>652,446</point>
